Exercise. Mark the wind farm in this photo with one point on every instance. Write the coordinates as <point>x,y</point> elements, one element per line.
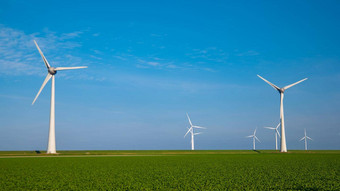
<point>169,95</point>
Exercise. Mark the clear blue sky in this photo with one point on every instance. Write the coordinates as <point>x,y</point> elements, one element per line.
<point>151,62</point>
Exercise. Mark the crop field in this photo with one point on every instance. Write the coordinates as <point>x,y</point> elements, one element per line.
<point>171,170</point>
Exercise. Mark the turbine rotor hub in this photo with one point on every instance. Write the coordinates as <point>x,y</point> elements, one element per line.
<point>52,71</point>
<point>281,90</point>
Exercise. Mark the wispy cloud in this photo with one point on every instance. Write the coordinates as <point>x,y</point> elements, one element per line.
<point>120,57</point>
<point>170,84</point>
<point>18,55</point>
<point>142,63</point>
<point>14,97</point>
<point>155,62</point>
<point>172,66</point>
<point>209,55</point>
<point>158,35</point>
<point>248,53</point>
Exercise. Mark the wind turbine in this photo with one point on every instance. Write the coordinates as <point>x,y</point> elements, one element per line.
<point>191,130</point>
<point>281,91</point>
<point>276,133</point>
<point>305,138</point>
<point>254,137</point>
<point>51,71</point>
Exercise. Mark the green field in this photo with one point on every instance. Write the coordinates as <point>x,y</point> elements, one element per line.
<point>170,170</point>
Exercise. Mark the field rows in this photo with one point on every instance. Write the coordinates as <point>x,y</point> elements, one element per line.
<point>299,171</point>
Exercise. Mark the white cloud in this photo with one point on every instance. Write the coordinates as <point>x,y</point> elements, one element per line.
<point>169,84</point>
<point>120,58</point>
<point>14,97</point>
<point>248,53</point>
<point>71,35</point>
<point>158,35</point>
<point>153,63</point>
<point>172,66</point>
<point>19,56</point>
<point>210,55</point>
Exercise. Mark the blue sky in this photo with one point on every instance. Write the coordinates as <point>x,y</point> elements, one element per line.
<point>151,62</point>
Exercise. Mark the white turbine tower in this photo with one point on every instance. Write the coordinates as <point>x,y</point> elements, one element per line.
<point>51,149</point>
<point>276,133</point>
<point>283,147</point>
<point>191,130</point>
<point>254,137</point>
<point>305,138</point>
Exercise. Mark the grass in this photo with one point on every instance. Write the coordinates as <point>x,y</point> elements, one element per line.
<point>172,170</point>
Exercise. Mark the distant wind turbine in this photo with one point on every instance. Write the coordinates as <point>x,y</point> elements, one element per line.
<point>305,138</point>
<point>254,137</point>
<point>276,133</point>
<point>281,91</point>
<point>191,130</point>
<point>51,149</point>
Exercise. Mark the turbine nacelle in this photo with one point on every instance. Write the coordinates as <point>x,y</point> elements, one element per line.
<point>52,70</point>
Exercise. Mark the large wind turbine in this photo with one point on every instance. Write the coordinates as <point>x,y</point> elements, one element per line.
<point>254,137</point>
<point>276,133</point>
<point>191,130</point>
<point>281,91</point>
<point>51,149</point>
<point>305,138</point>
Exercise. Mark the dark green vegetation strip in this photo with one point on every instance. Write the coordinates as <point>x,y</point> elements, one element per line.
<point>298,171</point>
<point>155,152</point>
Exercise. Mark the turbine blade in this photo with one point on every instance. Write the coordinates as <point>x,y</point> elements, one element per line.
<point>189,120</point>
<point>309,138</point>
<point>199,127</point>
<point>257,139</point>
<point>250,136</point>
<point>302,138</point>
<point>255,131</point>
<point>274,86</point>
<point>48,77</point>
<point>197,133</point>
<point>277,132</point>
<point>69,68</point>
<point>278,125</point>
<point>42,55</point>
<point>286,87</point>
<point>276,129</point>
<point>187,132</point>
<point>269,127</point>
